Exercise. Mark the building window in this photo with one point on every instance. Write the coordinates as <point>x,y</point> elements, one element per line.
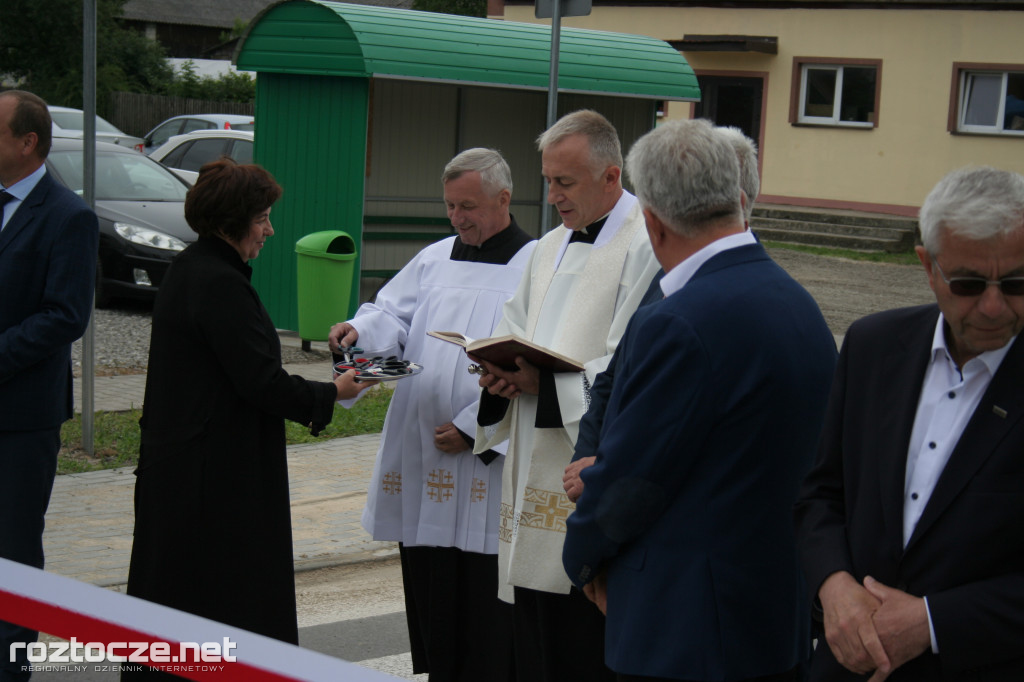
<point>990,101</point>
<point>836,92</point>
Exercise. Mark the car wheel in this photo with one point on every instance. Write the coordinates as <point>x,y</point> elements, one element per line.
<point>102,294</point>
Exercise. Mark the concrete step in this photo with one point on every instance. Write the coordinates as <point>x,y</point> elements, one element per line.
<point>819,215</point>
<point>836,229</point>
<point>829,228</point>
<point>832,240</point>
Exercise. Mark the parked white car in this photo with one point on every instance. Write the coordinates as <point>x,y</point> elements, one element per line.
<point>186,154</point>
<point>68,122</point>
<point>180,125</point>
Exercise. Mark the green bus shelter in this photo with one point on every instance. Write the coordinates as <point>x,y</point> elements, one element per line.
<point>358,108</point>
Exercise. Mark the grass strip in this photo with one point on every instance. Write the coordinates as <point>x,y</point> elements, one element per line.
<point>116,434</point>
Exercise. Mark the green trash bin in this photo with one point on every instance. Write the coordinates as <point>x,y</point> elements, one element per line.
<point>324,277</point>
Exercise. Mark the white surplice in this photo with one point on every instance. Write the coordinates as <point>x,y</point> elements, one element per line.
<point>576,299</point>
<point>419,495</point>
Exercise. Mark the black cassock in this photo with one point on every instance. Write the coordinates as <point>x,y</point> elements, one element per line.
<point>212,519</point>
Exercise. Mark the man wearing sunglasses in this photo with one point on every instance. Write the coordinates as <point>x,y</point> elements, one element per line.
<point>912,521</point>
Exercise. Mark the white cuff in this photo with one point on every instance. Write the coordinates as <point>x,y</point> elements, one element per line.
<point>931,628</point>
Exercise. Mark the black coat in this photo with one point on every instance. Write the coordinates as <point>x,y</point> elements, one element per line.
<point>966,554</point>
<point>212,519</point>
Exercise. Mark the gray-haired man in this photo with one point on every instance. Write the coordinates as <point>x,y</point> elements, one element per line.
<point>911,522</point>
<point>429,491</point>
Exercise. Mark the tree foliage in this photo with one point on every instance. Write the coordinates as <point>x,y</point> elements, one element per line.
<point>41,51</point>
<point>468,8</point>
<point>229,87</point>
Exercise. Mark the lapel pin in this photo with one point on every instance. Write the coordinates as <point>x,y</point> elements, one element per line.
<point>999,412</point>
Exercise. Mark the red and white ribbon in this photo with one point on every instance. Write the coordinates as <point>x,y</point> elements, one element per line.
<point>68,609</point>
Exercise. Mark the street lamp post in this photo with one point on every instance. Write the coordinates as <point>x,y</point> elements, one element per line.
<point>555,9</point>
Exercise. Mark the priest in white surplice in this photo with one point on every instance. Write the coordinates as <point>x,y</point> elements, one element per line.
<point>582,284</point>
<point>429,491</point>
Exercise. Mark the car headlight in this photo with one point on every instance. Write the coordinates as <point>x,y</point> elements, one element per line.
<point>149,237</point>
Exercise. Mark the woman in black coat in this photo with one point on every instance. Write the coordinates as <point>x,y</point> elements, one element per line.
<point>212,519</point>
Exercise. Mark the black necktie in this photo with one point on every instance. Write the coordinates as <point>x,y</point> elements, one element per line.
<point>4,198</point>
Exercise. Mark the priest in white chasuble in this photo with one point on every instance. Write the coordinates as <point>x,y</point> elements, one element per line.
<point>583,283</point>
<point>429,491</point>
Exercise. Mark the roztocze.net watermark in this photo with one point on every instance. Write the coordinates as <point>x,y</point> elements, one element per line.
<point>173,657</point>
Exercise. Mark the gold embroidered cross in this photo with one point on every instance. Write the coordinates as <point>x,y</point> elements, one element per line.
<point>479,490</point>
<point>551,510</point>
<point>440,485</point>
<point>392,483</point>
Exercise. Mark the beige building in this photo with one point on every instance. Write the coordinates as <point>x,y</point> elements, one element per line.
<point>854,105</point>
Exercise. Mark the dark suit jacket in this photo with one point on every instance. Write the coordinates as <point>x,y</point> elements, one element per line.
<point>47,275</point>
<point>967,552</point>
<point>715,409</point>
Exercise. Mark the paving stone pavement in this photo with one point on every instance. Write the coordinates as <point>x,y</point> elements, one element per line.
<point>89,522</point>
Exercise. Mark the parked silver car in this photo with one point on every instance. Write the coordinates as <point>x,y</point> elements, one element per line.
<point>187,123</point>
<point>68,122</point>
<point>186,154</point>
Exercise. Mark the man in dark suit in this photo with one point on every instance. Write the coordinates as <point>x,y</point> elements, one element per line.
<point>683,530</point>
<point>911,523</point>
<point>48,247</point>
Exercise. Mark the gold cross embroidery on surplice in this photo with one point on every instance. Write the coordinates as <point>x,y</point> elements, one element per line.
<point>392,483</point>
<point>479,491</point>
<point>440,484</point>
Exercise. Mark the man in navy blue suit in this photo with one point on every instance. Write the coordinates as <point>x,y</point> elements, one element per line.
<point>48,247</point>
<point>590,425</point>
<point>683,532</point>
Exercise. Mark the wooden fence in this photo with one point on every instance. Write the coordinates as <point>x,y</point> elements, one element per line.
<point>137,114</point>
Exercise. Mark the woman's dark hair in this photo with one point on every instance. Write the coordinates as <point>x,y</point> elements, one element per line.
<point>227,196</point>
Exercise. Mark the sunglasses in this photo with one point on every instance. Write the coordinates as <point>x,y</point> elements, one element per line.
<point>975,286</point>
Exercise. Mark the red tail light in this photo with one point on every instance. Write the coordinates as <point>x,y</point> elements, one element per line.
<point>227,126</point>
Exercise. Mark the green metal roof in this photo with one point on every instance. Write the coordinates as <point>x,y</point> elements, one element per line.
<point>341,39</point>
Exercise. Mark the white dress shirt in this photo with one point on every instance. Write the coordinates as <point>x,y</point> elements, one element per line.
<point>19,190</point>
<point>949,397</point>
<point>676,278</point>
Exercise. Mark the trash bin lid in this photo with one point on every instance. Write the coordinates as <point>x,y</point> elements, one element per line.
<point>333,244</point>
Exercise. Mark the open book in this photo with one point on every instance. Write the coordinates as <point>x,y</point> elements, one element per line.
<point>502,351</point>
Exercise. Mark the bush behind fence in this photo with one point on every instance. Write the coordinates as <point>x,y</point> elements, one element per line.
<point>137,114</point>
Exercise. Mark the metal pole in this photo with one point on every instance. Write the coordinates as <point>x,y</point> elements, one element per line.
<point>89,193</point>
<point>556,33</point>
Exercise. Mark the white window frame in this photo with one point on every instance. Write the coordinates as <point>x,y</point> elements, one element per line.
<point>834,119</point>
<point>964,92</point>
